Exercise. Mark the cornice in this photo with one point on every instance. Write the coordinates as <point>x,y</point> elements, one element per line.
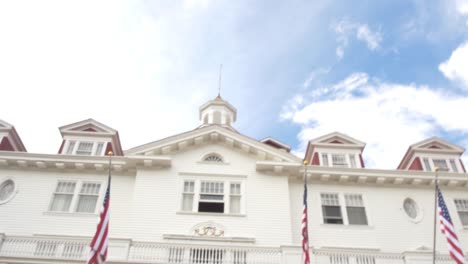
<point>360,176</point>
<point>72,163</point>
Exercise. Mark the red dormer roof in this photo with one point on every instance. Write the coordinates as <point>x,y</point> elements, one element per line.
<point>9,138</point>
<point>433,145</point>
<point>93,128</point>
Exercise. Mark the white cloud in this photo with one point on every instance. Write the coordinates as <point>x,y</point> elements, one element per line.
<point>455,67</point>
<point>462,6</point>
<point>372,39</point>
<point>388,116</point>
<point>313,75</point>
<point>346,29</point>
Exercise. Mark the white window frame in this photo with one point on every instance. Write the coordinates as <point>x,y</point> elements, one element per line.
<point>226,195</point>
<point>449,161</point>
<point>459,209</point>
<point>343,209</point>
<point>74,144</point>
<point>76,196</point>
<point>326,159</point>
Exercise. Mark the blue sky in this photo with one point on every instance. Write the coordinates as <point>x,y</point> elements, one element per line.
<point>389,73</point>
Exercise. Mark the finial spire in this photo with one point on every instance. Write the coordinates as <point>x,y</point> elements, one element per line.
<point>219,84</point>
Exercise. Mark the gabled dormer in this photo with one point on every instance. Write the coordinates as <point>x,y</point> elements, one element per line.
<point>276,144</point>
<point>89,137</point>
<point>335,150</point>
<point>431,153</point>
<point>9,138</point>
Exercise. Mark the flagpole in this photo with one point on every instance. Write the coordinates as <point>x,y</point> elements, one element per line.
<point>305,254</point>
<point>435,216</point>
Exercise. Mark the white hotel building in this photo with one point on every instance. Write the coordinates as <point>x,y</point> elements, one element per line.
<point>212,195</point>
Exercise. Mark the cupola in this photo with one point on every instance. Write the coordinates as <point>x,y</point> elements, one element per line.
<point>217,112</point>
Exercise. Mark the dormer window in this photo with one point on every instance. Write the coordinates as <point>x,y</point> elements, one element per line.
<point>85,148</point>
<point>338,160</point>
<point>444,165</point>
<point>213,157</point>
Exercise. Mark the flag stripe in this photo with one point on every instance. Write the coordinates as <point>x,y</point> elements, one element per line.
<point>447,228</point>
<point>305,230</point>
<point>99,244</point>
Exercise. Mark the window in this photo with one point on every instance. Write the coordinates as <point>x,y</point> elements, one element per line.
<point>211,197</point>
<point>187,196</point>
<point>208,196</point>
<point>411,208</point>
<point>462,208</point>
<point>213,157</point>
<point>339,160</point>
<point>85,148</point>
<point>73,196</point>
<point>331,209</point>
<point>355,209</point>
<point>63,197</point>
<point>427,166</point>
<point>7,190</point>
<point>453,165</point>
<point>235,198</point>
<point>441,163</point>
<point>352,161</point>
<point>325,159</point>
<point>445,165</point>
<point>88,197</point>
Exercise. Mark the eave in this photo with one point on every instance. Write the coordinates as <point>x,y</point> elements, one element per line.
<point>363,176</point>
<point>76,163</point>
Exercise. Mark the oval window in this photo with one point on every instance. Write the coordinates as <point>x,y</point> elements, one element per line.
<point>411,208</point>
<point>7,189</point>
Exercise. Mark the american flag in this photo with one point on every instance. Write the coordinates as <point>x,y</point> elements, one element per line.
<point>305,230</point>
<point>448,230</point>
<point>98,253</point>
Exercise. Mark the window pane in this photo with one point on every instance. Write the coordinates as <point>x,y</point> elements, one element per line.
<point>441,163</point>
<point>235,204</point>
<point>332,211</point>
<point>462,208</point>
<point>356,215</point>
<point>352,160</point>
<point>85,148</point>
<point>211,197</point>
<point>427,166</point>
<point>325,159</point>
<point>90,188</point>
<point>354,200</point>
<point>330,199</point>
<point>339,160</point>
<point>189,186</point>
<point>99,149</point>
<point>6,190</point>
<point>235,188</point>
<point>65,187</point>
<point>463,218</point>
<point>211,207</point>
<point>87,203</point>
<point>187,202</point>
<point>61,202</point>
<point>212,187</point>
<point>454,165</point>
<point>71,145</point>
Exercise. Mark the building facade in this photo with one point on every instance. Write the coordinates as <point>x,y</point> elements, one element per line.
<point>213,195</point>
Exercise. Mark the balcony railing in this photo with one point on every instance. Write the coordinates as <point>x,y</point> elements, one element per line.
<point>46,249</point>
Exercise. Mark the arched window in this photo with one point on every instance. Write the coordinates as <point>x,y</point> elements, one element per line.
<point>7,189</point>
<point>213,157</point>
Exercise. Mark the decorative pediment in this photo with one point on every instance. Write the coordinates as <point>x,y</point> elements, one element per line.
<point>88,126</point>
<point>213,135</point>
<point>337,138</point>
<point>435,143</point>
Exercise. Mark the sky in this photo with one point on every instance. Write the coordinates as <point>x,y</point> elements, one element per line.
<point>389,73</point>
